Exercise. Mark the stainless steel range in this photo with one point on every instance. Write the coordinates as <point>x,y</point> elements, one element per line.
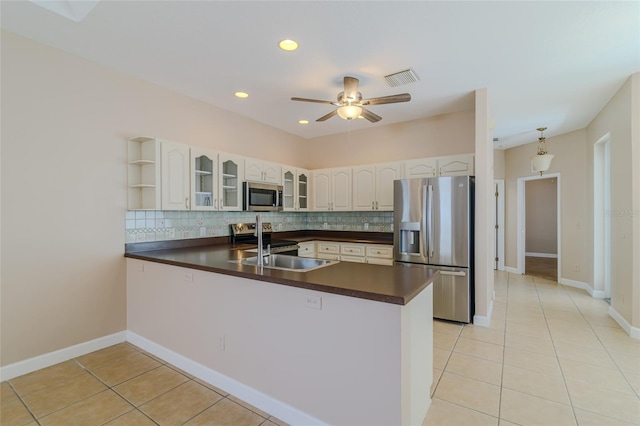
<point>245,233</point>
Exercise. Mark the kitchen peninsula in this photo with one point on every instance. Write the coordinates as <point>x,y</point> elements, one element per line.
<point>345,344</point>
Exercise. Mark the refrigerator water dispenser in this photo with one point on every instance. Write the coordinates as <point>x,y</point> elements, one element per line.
<point>410,238</point>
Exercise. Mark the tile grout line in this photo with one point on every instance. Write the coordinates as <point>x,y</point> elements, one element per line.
<point>555,351</point>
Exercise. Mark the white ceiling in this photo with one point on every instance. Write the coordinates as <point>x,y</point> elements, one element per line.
<point>553,64</point>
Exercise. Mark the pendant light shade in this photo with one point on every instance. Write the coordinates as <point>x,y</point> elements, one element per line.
<point>542,160</point>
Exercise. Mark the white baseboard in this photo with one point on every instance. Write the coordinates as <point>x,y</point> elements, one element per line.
<point>547,255</point>
<point>596,294</point>
<point>20,368</point>
<point>634,332</point>
<point>512,270</point>
<point>484,321</point>
<point>254,397</point>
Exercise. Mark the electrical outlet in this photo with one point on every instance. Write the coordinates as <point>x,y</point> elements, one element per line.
<point>203,231</point>
<point>314,302</point>
<point>185,234</point>
<point>188,277</point>
<point>140,266</point>
<point>325,225</point>
<point>280,227</point>
<point>172,232</point>
<point>140,237</point>
<point>366,226</point>
<point>222,343</point>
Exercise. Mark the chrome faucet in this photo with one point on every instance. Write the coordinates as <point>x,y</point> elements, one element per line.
<point>258,234</point>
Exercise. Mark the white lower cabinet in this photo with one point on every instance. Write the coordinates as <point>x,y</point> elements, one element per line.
<point>307,249</point>
<point>378,254</point>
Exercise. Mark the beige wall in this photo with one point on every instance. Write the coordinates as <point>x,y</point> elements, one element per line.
<point>571,162</point>
<point>498,163</point>
<point>428,137</point>
<point>541,214</point>
<point>64,126</point>
<point>620,119</point>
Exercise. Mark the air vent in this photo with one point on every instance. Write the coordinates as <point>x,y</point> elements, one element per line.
<point>401,77</point>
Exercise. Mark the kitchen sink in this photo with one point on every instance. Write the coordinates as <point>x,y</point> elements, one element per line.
<point>288,263</point>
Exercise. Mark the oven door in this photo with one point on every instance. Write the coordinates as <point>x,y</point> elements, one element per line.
<point>261,197</point>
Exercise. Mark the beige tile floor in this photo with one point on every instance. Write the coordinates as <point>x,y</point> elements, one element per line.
<point>121,385</point>
<point>552,356</point>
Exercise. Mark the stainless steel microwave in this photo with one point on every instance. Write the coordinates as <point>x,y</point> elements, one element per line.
<point>261,197</point>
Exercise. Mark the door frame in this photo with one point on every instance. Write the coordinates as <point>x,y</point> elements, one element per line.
<point>521,211</point>
<point>499,185</point>
<point>602,221</point>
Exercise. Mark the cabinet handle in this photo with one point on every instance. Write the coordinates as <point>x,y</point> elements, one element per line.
<point>186,203</point>
<point>373,205</point>
<point>376,205</point>
<point>221,203</point>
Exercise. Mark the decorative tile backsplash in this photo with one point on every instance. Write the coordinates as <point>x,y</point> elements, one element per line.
<point>176,225</point>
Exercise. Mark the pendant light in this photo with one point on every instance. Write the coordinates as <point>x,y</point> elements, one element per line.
<point>542,160</point>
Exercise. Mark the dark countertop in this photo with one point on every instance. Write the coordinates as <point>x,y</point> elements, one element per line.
<point>396,284</point>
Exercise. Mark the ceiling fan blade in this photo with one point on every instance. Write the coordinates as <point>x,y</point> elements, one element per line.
<point>350,88</point>
<point>313,100</point>
<point>370,116</point>
<point>328,116</point>
<point>392,99</point>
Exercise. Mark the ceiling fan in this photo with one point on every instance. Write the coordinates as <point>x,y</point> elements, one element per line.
<point>351,105</point>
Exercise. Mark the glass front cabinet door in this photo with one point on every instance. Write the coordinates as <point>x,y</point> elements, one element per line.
<point>230,182</point>
<point>204,179</point>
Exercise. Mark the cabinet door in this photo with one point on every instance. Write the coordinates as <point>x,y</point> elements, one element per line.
<point>271,173</point>
<point>253,170</point>
<point>288,188</point>
<point>204,179</point>
<point>456,165</point>
<point>364,180</point>
<point>385,175</point>
<point>175,176</point>
<point>230,182</point>
<point>303,184</point>
<point>321,190</point>
<point>421,168</point>
<point>341,189</point>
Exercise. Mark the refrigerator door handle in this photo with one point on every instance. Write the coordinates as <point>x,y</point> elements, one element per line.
<point>456,273</point>
<point>430,241</point>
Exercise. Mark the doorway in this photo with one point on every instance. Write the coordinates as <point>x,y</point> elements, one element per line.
<point>601,217</point>
<point>539,226</point>
<point>498,185</point>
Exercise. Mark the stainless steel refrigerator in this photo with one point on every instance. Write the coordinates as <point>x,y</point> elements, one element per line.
<point>433,225</point>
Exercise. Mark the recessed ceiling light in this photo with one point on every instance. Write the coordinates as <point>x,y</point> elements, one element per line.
<point>241,95</point>
<point>288,45</point>
<point>303,121</point>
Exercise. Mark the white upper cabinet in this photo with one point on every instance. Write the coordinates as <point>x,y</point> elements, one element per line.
<point>373,186</point>
<point>450,165</point>
<point>421,168</point>
<point>341,189</point>
<point>230,177</point>
<point>364,181</point>
<point>321,190</point>
<point>262,171</point>
<point>204,179</point>
<point>385,175</point>
<point>456,165</point>
<point>295,189</point>
<point>175,176</point>
<point>332,189</point>
<point>143,174</point>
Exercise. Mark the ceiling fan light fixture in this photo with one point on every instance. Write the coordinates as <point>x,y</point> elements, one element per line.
<point>349,112</point>
<point>288,45</point>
